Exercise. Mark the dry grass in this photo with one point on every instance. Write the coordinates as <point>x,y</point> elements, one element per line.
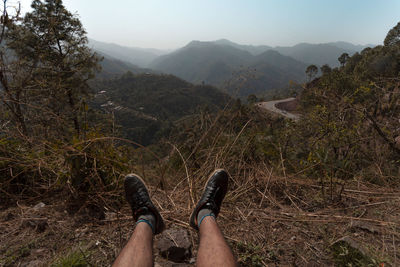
<point>269,217</point>
<point>264,220</point>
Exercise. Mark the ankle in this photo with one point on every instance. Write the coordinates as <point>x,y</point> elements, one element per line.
<point>203,213</point>
<point>149,219</point>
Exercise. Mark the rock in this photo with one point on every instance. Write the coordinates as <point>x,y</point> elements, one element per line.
<point>397,141</point>
<point>348,252</point>
<point>40,252</point>
<point>364,226</point>
<point>40,224</point>
<point>175,245</point>
<point>352,243</point>
<point>9,216</point>
<point>35,263</point>
<point>39,206</point>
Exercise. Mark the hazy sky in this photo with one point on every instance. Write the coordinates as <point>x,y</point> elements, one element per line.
<point>173,23</point>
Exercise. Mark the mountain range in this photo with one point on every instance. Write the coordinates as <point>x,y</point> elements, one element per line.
<point>136,56</point>
<point>237,69</point>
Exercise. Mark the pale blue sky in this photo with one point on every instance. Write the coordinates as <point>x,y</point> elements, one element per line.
<point>168,24</point>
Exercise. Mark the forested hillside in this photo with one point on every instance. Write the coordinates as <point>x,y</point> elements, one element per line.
<point>111,67</point>
<point>146,106</point>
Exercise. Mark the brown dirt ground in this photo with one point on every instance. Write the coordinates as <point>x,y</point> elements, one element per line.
<point>272,221</point>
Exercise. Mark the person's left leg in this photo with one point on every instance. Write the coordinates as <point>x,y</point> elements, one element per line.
<point>138,250</point>
<point>213,249</point>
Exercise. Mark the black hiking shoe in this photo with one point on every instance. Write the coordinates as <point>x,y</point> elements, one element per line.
<point>213,194</point>
<point>139,199</point>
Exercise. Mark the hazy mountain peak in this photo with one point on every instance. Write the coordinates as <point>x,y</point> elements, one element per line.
<point>134,55</point>
<point>225,42</point>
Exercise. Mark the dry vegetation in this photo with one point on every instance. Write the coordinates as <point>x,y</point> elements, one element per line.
<point>269,217</point>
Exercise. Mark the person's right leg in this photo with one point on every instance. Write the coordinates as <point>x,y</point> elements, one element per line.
<point>213,250</point>
<point>138,250</point>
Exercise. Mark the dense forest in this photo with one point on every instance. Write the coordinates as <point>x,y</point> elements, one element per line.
<point>70,132</point>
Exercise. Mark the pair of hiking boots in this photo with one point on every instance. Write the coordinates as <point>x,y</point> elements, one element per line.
<point>141,204</point>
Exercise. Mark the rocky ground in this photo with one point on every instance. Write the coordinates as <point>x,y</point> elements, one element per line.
<point>271,223</point>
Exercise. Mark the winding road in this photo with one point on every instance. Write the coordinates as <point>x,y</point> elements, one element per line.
<point>271,106</point>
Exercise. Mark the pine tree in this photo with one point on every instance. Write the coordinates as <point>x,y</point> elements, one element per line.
<point>51,66</point>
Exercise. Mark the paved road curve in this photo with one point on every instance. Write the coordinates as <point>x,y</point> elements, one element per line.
<point>271,106</point>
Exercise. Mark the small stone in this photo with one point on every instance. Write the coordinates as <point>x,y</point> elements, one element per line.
<point>39,251</point>
<point>397,141</point>
<point>352,243</point>
<point>364,226</point>
<point>175,245</point>
<point>35,263</point>
<point>39,206</point>
<point>9,217</point>
<point>40,224</point>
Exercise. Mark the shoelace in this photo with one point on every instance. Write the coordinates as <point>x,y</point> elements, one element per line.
<point>211,200</point>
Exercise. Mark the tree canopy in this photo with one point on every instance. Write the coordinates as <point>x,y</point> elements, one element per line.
<point>50,67</point>
<point>343,59</point>
<point>393,36</point>
<point>311,71</point>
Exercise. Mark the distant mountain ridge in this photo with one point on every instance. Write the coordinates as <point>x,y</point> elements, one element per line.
<point>253,49</point>
<point>138,56</point>
<point>318,54</point>
<point>200,62</point>
<point>350,46</point>
<point>231,67</point>
<point>226,64</point>
<point>112,67</point>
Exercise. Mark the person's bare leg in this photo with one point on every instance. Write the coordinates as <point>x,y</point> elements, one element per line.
<point>139,249</point>
<point>213,249</point>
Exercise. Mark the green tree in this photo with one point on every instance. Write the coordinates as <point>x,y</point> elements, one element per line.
<point>10,97</point>
<point>51,67</point>
<point>343,59</point>
<point>325,69</point>
<point>393,36</point>
<point>251,99</point>
<point>311,71</point>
